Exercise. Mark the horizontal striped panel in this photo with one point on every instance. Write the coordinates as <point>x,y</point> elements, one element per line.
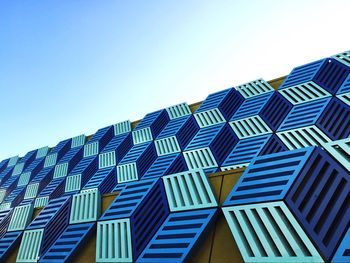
<point>73,183</point>
<point>29,249</point>
<point>104,179</point>
<point>343,57</point>
<point>209,117</point>
<point>189,190</point>
<point>249,127</point>
<point>91,149</point>
<point>200,158</point>
<point>78,141</point>
<point>303,137</point>
<point>254,88</point>
<point>305,114</point>
<point>174,126</point>
<point>122,127</point>
<point>113,243</point>
<point>269,233</point>
<point>205,137</point>
<point>8,243</point>
<point>233,167</point>
<point>178,236</point>
<point>340,150</point>
<point>136,152</point>
<point>127,172</point>
<point>21,217</point>
<point>86,206</point>
<point>178,110</point>
<point>214,100</point>
<point>305,92</point>
<point>167,145</point>
<point>252,106</point>
<point>268,177</point>
<point>142,135</point>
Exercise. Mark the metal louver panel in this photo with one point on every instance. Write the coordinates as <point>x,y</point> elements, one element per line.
<point>200,158</point>
<point>86,206</point>
<point>188,190</point>
<point>269,233</point>
<point>5,206</point>
<point>122,127</point>
<point>8,242</point>
<point>343,58</point>
<point>249,127</point>
<point>340,150</point>
<point>142,135</point>
<point>50,160</point>
<point>73,183</point>
<point>30,246</point>
<point>233,167</point>
<point>78,141</point>
<point>107,159</point>
<point>113,242</point>
<point>42,152</point>
<point>12,161</point>
<point>254,88</point>
<point>303,137</point>
<point>41,201</point>
<point>167,145</point>
<point>91,149</point>
<point>345,97</point>
<point>209,117</point>
<point>2,194</point>
<point>60,170</point>
<point>24,179</point>
<point>21,217</point>
<point>178,110</point>
<point>31,191</point>
<point>127,172</point>
<point>17,169</point>
<point>305,92</point>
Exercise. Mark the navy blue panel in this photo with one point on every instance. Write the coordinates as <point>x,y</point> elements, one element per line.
<point>104,179</point>
<point>54,189</point>
<point>8,243</point>
<point>87,167</point>
<point>155,120</point>
<point>121,144</point>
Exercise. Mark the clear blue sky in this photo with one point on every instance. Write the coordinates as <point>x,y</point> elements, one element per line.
<point>72,67</point>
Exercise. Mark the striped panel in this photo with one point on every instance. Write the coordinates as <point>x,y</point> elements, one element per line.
<point>8,243</point>
<point>113,243</point>
<point>305,92</point>
<point>167,145</point>
<point>343,58</point>
<point>122,127</point>
<point>91,149</point>
<point>86,206</point>
<point>127,173</point>
<point>78,141</point>
<point>107,159</point>
<point>340,150</point>
<point>5,206</point>
<point>41,201</point>
<point>233,167</point>
<point>320,200</point>
<point>269,233</point>
<point>249,127</point>
<point>24,179</point>
<point>254,88</point>
<point>30,246</point>
<point>209,117</point>
<point>268,177</point>
<point>345,97</point>
<point>142,135</point>
<point>21,217</point>
<point>303,137</point>
<point>61,170</point>
<point>73,183</point>
<point>342,255</point>
<point>178,110</point>
<point>177,237</point>
<point>31,191</point>
<point>50,160</point>
<point>345,87</point>
<point>2,194</point>
<point>65,247</point>
<point>200,158</point>
<point>305,114</point>
<point>188,190</point>
<point>103,179</point>
<point>42,152</point>
<point>17,169</point>
<point>12,161</point>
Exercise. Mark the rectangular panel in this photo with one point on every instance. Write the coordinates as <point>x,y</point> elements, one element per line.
<point>86,206</point>
<point>249,127</point>
<point>254,88</point>
<point>209,117</point>
<point>200,158</point>
<point>29,249</point>
<point>167,145</point>
<point>178,110</point>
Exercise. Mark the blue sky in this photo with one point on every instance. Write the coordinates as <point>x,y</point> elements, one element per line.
<point>72,67</point>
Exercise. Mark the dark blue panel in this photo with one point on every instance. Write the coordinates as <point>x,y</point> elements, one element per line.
<point>155,120</point>
<point>5,174</point>
<point>303,74</point>
<point>205,137</point>
<point>10,183</point>
<point>87,167</point>
<point>8,243</point>
<point>35,167</point>
<point>103,136</point>
<point>61,148</point>
<point>335,120</point>
<point>16,196</point>
<point>274,145</point>
<point>54,189</point>
<point>72,157</point>
<point>269,177</point>
<point>104,179</point>
<point>3,164</point>
<point>227,101</point>
<point>69,243</point>
<point>320,200</point>
<point>176,238</point>
<point>166,164</point>
<point>121,144</point>
<point>44,174</point>
<point>305,114</point>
